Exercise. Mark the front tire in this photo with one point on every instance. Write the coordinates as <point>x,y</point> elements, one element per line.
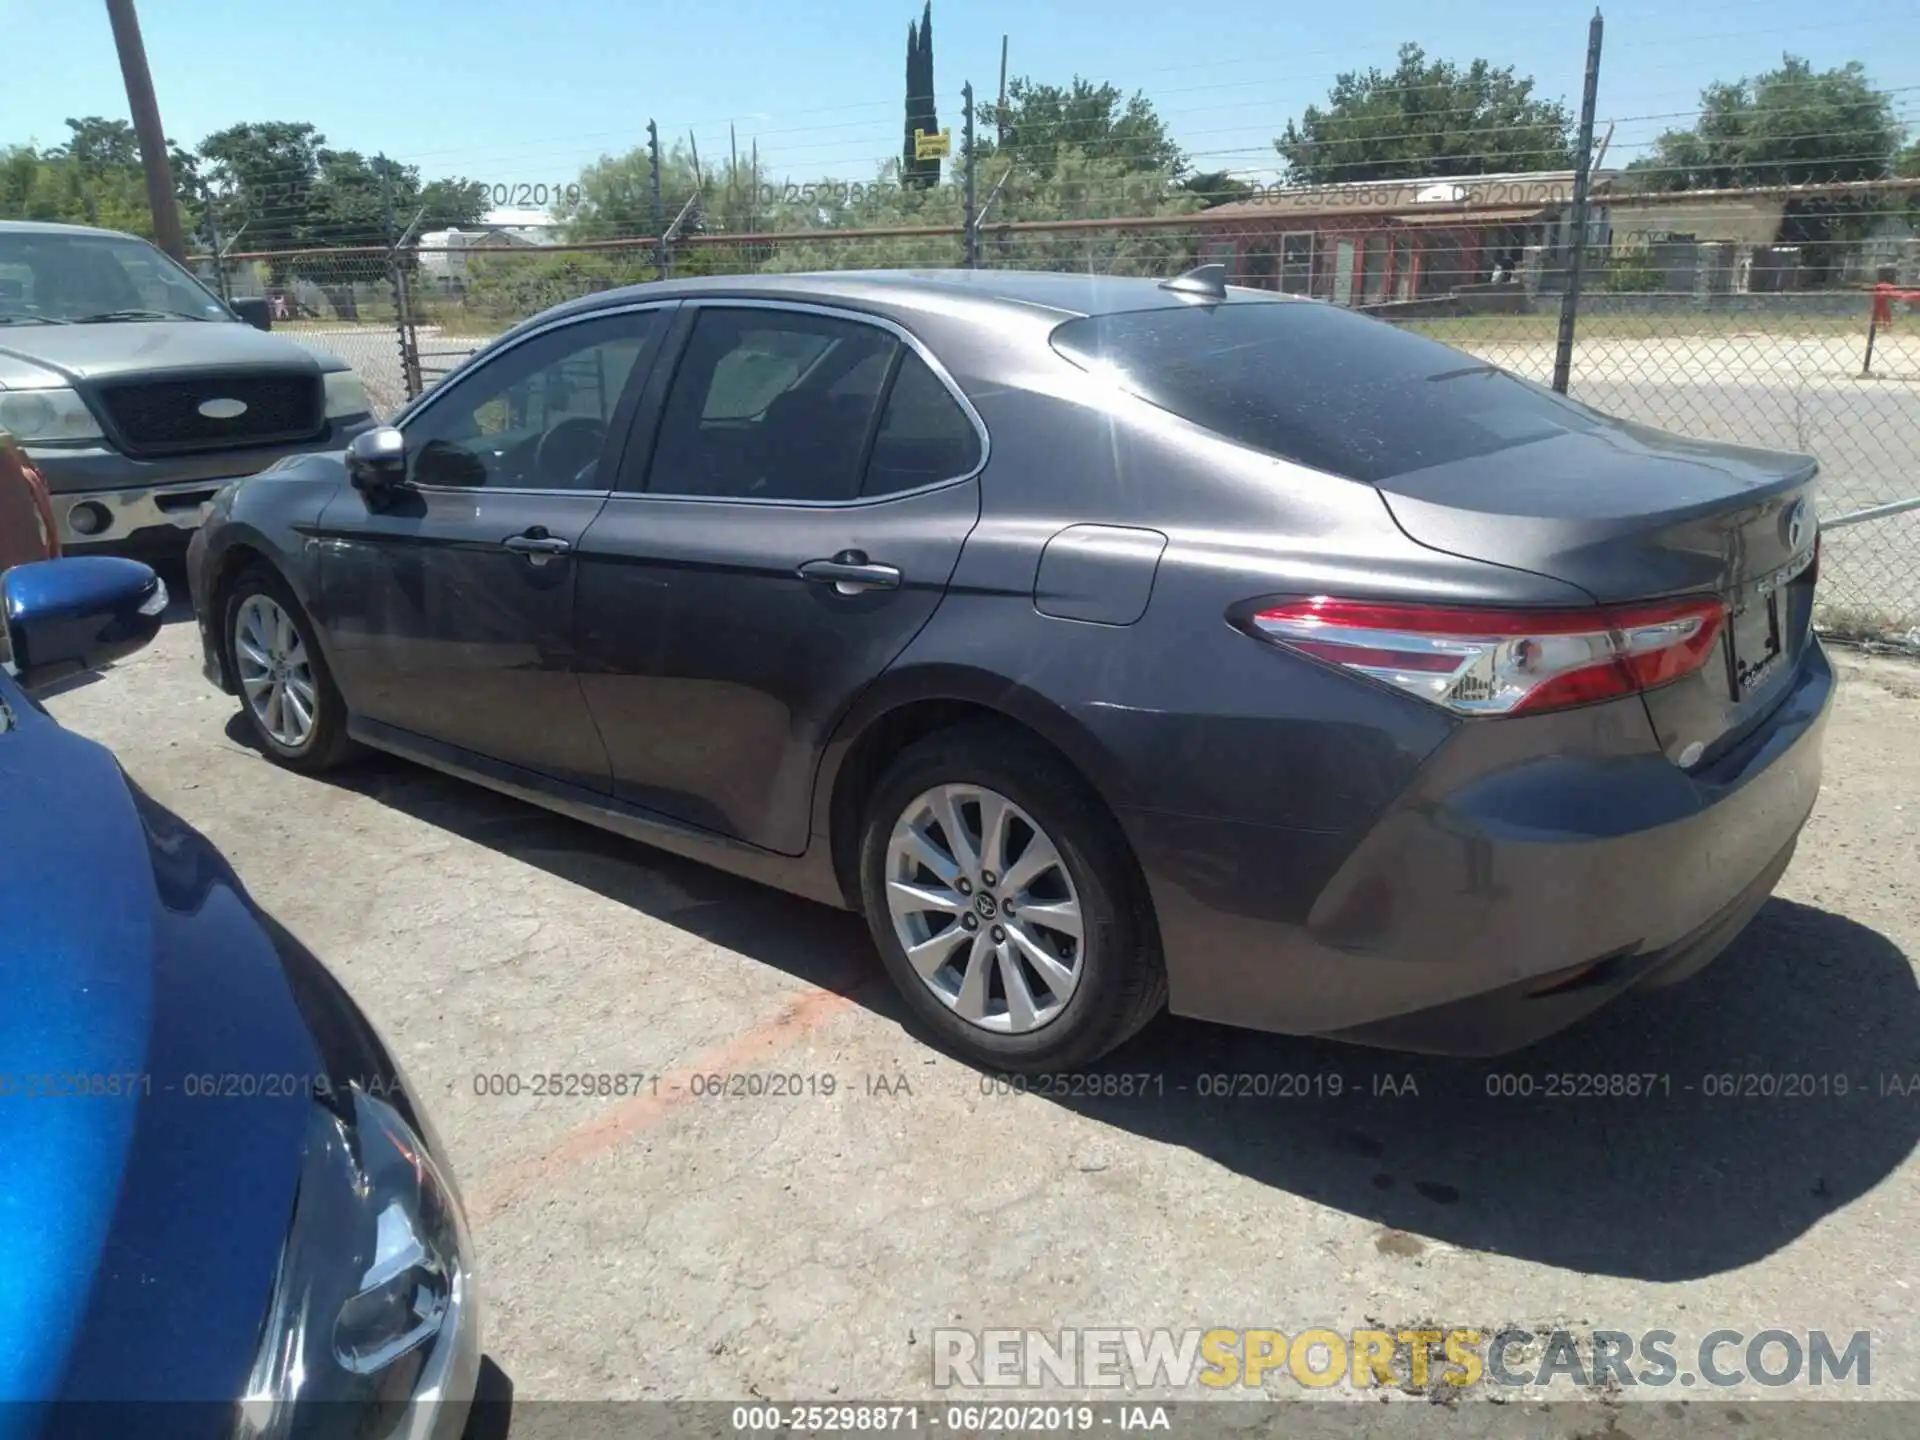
<point>286,691</point>
<point>1005,903</point>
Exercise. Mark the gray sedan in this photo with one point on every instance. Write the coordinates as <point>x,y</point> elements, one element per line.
<point>1110,644</point>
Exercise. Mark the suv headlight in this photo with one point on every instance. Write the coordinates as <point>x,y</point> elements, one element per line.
<point>346,395</point>
<point>372,1309</point>
<point>47,417</point>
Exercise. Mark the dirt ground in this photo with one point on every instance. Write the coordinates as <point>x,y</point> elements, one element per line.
<point>678,1243</point>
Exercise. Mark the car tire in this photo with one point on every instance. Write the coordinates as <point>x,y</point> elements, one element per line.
<point>1118,981</point>
<point>257,596</point>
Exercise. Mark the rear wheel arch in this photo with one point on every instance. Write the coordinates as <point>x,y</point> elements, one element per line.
<point>869,741</point>
<point>1112,958</point>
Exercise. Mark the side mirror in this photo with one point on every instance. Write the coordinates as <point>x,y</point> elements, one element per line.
<point>377,462</point>
<point>256,310</point>
<point>67,616</point>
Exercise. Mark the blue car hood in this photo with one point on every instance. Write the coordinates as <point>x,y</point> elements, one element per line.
<point>144,1196</point>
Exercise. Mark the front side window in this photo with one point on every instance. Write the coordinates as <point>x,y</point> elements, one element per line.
<point>771,405</point>
<point>537,416</point>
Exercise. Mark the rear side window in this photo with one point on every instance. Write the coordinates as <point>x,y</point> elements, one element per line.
<point>924,435</point>
<point>771,405</point>
<point>1319,385</point>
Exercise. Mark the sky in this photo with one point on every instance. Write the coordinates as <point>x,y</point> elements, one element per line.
<point>517,94</point>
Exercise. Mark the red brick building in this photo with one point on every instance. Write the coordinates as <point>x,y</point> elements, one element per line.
<point>1377,241</point>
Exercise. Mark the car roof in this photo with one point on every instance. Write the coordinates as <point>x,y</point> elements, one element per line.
<point>54,227</point>
<point>1064,295</point>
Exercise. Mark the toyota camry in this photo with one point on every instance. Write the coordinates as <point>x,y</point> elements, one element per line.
<point>1111,644</point>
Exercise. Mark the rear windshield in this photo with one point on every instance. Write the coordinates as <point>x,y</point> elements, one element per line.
<point>1320,385</point>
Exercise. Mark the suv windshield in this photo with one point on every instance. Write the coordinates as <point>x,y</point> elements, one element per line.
<point>1319,385</point>
<point>59,277</point>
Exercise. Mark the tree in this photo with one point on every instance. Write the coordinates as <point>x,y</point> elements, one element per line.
<point>93,178</point>
<point>616,195</point>
<point>1426,117</point>
<point>1790,126</point>
<point>451,204</point>
<point>922,112</point>
<point>277,184</point>
<point>1216,187</point>
<point>260,177</point>
<point>1092,122</point>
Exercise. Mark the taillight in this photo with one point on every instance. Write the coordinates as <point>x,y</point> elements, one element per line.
<point>1502,662</point>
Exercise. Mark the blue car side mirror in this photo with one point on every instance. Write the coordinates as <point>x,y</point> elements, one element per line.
<point>67,616</point>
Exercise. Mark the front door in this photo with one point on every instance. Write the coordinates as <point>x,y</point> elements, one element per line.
<point>451,603</point>
<point>808,492</point>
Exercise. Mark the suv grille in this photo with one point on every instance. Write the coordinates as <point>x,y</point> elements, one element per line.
<point>163,417</point>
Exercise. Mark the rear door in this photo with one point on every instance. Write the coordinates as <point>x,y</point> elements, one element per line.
<point>450,607</point>
<point>792,506</point>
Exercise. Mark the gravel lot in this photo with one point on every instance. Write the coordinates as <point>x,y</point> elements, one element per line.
<point>677,1245</point>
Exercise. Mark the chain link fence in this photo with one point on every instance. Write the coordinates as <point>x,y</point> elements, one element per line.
<point>1688,347</point>
<point>343,303</point>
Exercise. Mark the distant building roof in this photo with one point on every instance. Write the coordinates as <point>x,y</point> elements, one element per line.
<point>519,220</point>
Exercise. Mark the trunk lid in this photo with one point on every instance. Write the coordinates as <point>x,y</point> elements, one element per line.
<point>1628,513</point>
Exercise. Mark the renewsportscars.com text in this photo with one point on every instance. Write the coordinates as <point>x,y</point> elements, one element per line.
<point>1319,1358</point>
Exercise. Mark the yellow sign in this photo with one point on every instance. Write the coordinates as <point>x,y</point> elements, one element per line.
<point>932,147</point>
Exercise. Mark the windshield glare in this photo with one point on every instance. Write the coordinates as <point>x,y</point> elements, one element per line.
<point>54,276</point>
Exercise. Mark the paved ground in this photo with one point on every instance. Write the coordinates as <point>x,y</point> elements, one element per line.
<point>1791,392</point>
<point>679,1245</point>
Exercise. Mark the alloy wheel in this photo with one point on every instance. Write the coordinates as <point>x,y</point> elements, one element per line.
<point>276,675</point>
<point>983,906</point>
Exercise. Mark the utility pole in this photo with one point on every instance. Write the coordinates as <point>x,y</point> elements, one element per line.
<point>1582,178</point>
<point>971,228</point>
<point>146,124</point>
<point>1000,109</point>
<point>659,221</point>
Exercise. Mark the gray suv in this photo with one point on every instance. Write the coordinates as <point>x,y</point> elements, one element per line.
<point>138,393</point>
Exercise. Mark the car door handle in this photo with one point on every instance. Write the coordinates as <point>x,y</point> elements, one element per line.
<point>537,545</point>
<point>850,572</point>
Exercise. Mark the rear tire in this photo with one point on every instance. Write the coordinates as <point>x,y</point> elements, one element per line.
<point>1020,992</point>
<point>286,691</point>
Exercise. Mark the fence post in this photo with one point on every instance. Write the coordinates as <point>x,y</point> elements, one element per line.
<point>1582,177</point>
<point>663,261</point>
<point>219,254</point>
<point>970,215</point>
<point>409,341</point>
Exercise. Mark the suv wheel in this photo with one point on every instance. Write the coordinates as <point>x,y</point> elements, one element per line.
<point>289,697</point>
<point>1005,903</point>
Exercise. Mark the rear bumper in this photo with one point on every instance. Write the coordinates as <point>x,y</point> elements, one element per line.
<point>154,505</point>
<point>1506,895</point>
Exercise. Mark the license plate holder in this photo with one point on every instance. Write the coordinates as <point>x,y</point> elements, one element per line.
<point>1753,642</point>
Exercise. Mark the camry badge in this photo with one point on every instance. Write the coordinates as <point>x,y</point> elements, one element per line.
<point>223,409</point>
